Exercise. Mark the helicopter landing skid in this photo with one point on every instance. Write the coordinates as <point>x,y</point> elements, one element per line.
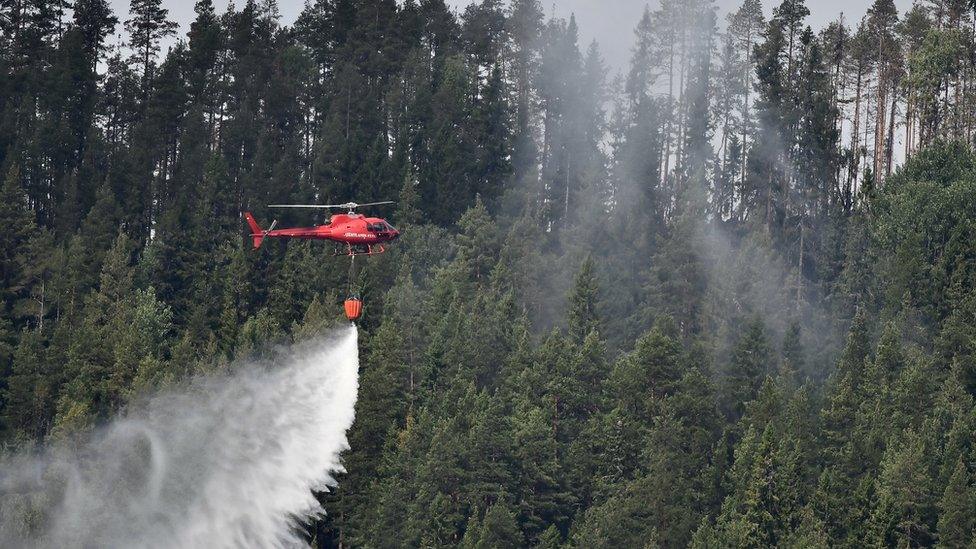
<point>359,249</point>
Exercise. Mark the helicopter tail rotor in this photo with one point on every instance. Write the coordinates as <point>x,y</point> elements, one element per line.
<point>257,233</point>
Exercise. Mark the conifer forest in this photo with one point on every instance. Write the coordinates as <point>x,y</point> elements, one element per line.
<point>719,294</point>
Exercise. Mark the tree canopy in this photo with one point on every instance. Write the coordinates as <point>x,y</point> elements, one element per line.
<point>726,299</point>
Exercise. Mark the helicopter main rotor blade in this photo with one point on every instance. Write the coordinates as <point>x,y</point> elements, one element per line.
<point>347,206</point>
<point>315,206</point>
<point>376,204</point>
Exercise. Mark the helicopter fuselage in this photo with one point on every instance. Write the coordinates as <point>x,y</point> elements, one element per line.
<point>349,228</point>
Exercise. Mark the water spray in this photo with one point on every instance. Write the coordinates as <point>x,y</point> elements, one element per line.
<point>224,462</point>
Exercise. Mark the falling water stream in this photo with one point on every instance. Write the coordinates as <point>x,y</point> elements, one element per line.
<point>229,461</point>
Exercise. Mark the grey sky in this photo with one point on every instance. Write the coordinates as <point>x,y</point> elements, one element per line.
<point>610,22</point>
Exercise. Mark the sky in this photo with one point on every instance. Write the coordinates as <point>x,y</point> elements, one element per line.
<point>609,22</point>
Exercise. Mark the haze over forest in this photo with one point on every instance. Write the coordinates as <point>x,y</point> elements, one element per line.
<point>600,20</point>
<point>727,299</point>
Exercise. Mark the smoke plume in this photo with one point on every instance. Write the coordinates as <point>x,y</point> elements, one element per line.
<point>225,462</point>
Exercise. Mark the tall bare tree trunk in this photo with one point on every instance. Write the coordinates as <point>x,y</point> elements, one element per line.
<point>840,89</point>
<point>880,127</point>
<point>669,127</point>
<point>909,123</point>
<point>747,115</point>
<point>799,268</point>
<point>855,140</point>
<point>890,141</point>
<point>682,119</point>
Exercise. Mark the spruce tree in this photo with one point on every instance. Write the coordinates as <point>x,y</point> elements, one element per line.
<point>905,511</point>
<point>956,510</point>
<point>19,221</point>
<point>583,303</point>
<point>749,365</point>
<point>498,528</point>
<point>29,397</point>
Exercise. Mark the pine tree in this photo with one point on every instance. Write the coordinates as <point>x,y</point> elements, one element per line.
<point>744,27</point>
<point>95,20</point>
<point>448,174</point>
<point>524,24</point>
<point>914,27</point>
<point>483,31</point>
<point>882,19</point>
<point>147,25</point>
<point>205,42</point>
<point>791,14</point>
<point>818,142</point>
<point>493,137</point>
<point>558,83</point>
<point>763,194</point>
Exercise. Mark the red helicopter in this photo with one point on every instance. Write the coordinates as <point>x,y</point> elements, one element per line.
<point>353,233</point>
<point>359,234</point>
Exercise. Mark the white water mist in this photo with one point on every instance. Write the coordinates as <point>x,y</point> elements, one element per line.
<point>224,462</point>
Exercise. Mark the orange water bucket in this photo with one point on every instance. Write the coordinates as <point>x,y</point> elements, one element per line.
<point>354,308</point>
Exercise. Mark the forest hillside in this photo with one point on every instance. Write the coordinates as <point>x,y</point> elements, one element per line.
<point>726,298</point>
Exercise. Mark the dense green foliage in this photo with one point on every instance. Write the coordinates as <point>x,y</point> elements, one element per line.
<point>695,305</point>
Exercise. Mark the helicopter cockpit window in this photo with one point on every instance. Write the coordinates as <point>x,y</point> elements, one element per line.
<point>375,227</point>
